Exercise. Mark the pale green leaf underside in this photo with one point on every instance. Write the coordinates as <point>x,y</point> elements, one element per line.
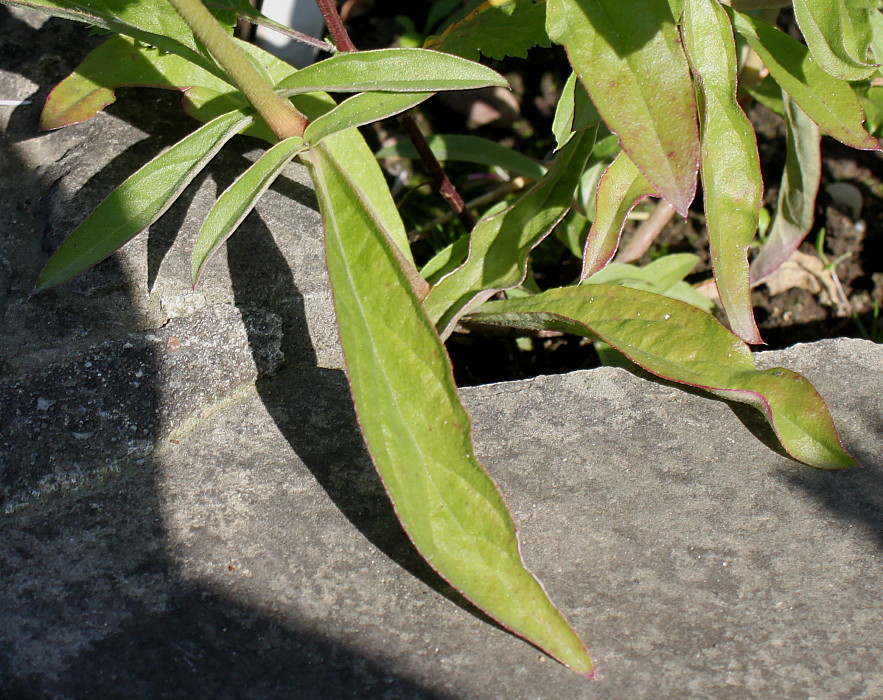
<point>796,208</point>
<point>620,188</point>
<point>238,200</point>
<point>681,343</point>
<point>139,201</point>
<point>361,109</point>
<point>729,163</point>
<point>416,430</point>
<point>838,33</point>
<point>628,56</point>
<point>391,70</point>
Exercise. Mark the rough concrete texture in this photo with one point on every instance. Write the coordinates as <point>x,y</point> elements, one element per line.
<point>189,510</point>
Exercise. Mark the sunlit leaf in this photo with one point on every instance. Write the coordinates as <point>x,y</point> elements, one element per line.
<point>574,112</point>
<point>621,187</point>
<point>416,430</point>
<point>392,70</point>
<point>446,260</point>
<point>238,200</point>
<point>628,55</point>
<point>496,28</point>
<point>139,201</point>
<point>797,193</point>
<point>729,163</point>
<point>499,245</point>
<point>838,33</point>
<point>681,343</point>
<point>828,101</point>
<point>364,108</point>
<point>470,149</point>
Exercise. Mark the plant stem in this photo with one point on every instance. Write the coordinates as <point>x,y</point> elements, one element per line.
<point>279,113</point>
<point>443,184</point>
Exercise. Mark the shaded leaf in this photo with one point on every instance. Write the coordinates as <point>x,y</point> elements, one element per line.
<point>122,61</point>
<point>470,149</point>
<point>238,200</point>
<point>729,163</point>
<point>628,55</point>
<point>416,430</point>
<point>364,108</point>
<point>139,201</point>
<point>496,28</point>
<point>446,260</point>
<point>838,33</point>
<point>499,245</point>
<point>620,188</point>
<point>797,193</point>
<point>392,70</point>
<point>828,101</point>
<point>681,343</point>
<point>574,112</point>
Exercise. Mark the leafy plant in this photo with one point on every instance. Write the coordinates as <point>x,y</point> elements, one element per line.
<point>661,75</point>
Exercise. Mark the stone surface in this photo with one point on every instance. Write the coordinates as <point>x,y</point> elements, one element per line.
<point>253,555</point>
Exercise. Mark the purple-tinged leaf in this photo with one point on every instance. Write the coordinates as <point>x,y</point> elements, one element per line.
<point>681,343</point>
<point>621,187</point>
<point>797,193</point>
<point>828,101</point>
<point>628,55</point>
<point>729,164</point>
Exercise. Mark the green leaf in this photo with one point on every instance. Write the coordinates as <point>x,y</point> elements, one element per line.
<point>497,28</point>
<point>574,112</point>
<point>238,200</point>
<point>838,33</point>
<point>797,193</point>
<point>621,187</point>
<point>729,163</point>
<point>681,343</point>
<point>154,22</point>
<point>470,149</point>
<point>139,201</point>
<point>446,260</point>
<point>628,55</point>
<point>416,430</point>
<point>392,70</point>
<point>828,101</point>
<point>364,108</point>
<point>499,245</point>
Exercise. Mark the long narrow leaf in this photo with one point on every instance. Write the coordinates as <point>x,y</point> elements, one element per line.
<point>470,149</point>
<point>139,201</point>
<point>729,163</point>
<point>628,55</point>
<point>838,33</point>
<point>499,245</point>
<point>620,188</point>
<point>681,343</point>
<point>238,200</point>
<point>360,109</point>
<point>797,193</point>
<point>392,70</point>
<point>828,101</point>
<point>416,430</point>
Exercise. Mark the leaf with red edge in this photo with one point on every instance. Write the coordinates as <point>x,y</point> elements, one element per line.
<point>681,343</point>
<point>628,55</point>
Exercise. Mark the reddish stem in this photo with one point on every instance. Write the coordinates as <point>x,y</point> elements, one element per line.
<point>446,188</point>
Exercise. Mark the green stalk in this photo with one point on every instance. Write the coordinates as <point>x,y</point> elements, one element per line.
<point>279,113</point>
